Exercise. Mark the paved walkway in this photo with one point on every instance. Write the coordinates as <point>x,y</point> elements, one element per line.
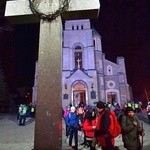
<point>14,137</point>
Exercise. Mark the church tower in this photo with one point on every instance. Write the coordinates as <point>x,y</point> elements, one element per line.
<point>99,64</point>
<point>79,69</point>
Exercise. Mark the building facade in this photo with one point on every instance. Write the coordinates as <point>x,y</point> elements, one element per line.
<point>87,76</point>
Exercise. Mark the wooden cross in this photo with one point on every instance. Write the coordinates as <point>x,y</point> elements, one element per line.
<point>49,91</point>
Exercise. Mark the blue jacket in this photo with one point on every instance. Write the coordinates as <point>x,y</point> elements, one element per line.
<point>72,120</point>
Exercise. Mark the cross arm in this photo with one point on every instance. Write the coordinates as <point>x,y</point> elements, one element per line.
<point>82,9</point>
<point>19,12</point>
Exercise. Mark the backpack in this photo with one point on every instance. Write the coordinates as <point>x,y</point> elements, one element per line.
<point>115,129</point>
<point>66,112</point>
<point>71,120</point>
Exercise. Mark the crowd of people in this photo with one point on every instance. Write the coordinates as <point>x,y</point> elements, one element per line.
<point>97,124</point>
<point>101,124</point>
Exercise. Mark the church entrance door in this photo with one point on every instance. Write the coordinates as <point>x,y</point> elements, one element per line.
<point>79,93</point>
<point>79,97</point>
<point>111,97</point>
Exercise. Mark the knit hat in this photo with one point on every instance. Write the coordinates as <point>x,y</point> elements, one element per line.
<point>72,109</point>
<point>100,105</point>
<point>129,109</point>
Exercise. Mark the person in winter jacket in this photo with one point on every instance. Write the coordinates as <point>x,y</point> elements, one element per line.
<point>22,114</point>
<point>131,130</point>
<point>65,114</point>
<point>104,124</point>
<point>73,123</point>
<point>148,111</point>
<point>81,115</point>
<point>89,127</point>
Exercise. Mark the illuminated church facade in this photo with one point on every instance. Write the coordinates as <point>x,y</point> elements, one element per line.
<point>87,76</point>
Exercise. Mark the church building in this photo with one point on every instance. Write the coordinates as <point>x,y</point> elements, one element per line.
<point>87,76</point>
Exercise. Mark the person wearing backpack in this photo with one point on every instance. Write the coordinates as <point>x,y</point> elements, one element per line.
<point>131,130</point>
<point>72,122</point>
<point>105,128</point>
<point>65,114</point>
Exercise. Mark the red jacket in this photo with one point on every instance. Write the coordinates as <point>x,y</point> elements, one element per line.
<point>102,137</point>
<point>88,127</point>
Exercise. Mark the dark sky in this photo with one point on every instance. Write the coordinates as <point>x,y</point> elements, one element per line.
<point>125,29</point>
<point>124,26</point>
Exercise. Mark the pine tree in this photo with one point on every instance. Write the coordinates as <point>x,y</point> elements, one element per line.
<point>4,94</point>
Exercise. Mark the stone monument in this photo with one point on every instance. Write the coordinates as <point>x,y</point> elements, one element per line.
<point>49,107</point>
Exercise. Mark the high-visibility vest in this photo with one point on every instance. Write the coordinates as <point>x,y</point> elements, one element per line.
<point>24,110</point>
<point>136,105</point>
<point>32,109</point>
<point>129,105</point>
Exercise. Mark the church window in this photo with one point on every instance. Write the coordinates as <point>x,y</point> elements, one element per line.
<point>78,47</point>
<point>82,27</point>
<point>77,27</point>
<point>111,84</point>
<point>65,96</point>
<point>72,27</point>
<point>79,86</point>
<point>78,57</point>
<point>121,79</point>
<point>94,42</point>
<point>109,70</point>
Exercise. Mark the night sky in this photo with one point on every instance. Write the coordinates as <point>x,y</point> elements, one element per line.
<point>124,26</point>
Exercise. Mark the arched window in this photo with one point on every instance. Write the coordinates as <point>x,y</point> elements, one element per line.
<point>78,47</point>
<point>78,56</point>
<point>109,70</point>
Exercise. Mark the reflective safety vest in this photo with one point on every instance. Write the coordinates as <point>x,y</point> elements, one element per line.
<point>136,105</point>
<point>32,109</point>
<point>129,105</point>
<point>24,110</point>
